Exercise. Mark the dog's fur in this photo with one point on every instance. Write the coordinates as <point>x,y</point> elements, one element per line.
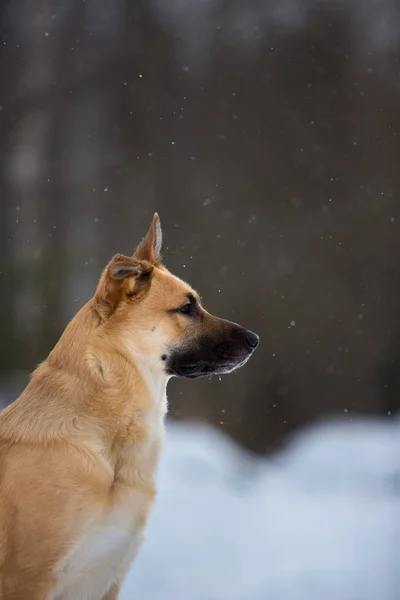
<point>79,448</point>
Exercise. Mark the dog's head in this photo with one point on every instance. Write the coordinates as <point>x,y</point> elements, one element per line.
<point>161,320</point>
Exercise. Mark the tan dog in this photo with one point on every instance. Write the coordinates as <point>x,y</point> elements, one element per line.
<point>79,448</point>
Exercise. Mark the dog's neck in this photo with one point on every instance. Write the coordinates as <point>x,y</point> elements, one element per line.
<point>79,349</point>
<point>85,379</point>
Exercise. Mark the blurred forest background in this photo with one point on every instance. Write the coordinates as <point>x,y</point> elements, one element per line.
<point>266,134</point>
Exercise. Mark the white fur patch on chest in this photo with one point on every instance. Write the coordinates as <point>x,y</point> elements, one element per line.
<point>99,559</point>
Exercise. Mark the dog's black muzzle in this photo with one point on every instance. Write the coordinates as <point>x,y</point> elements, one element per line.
<point>212,354</point>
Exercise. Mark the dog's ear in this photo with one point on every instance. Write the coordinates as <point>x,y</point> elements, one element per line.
<point>150,247</point>
<point>124,278</point>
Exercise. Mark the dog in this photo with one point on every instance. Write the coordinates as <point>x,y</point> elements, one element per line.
<point>79,448</point>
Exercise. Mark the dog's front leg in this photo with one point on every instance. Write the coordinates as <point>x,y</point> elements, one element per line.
<point>112,594</point>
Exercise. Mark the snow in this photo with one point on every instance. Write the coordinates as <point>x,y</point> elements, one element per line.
<point>318,521</point>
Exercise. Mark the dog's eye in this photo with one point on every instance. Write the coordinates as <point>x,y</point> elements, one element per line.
<point>188,309</point>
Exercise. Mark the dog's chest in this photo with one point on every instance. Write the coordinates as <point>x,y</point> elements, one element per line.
<point>102,555</point>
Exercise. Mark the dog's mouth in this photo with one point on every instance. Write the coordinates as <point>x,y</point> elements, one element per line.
<point>203,369</point>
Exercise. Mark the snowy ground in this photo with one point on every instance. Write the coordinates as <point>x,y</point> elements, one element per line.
<point>322,522</point>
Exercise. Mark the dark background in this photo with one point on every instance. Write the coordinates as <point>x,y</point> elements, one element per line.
<point>266,134</point>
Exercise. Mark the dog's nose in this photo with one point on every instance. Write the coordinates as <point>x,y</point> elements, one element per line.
<point>252,339</point>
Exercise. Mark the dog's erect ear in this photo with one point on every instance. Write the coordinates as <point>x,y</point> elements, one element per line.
<point>119,272</point>
<point>150,247</point>
<point>124,277</point>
